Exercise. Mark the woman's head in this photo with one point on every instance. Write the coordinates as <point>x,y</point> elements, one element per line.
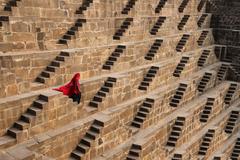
<point>77,76</point>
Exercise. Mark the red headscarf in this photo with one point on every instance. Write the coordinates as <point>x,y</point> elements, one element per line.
<point>73,87</point>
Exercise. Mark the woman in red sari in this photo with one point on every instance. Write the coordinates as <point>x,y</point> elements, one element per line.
<point>72,89</point>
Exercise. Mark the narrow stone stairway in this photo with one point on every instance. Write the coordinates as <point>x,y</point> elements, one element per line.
<point>134,152</point>
<point>87,140</point>
<point>142,113</point>
<point>114,57</point>
<point>231,91</point>
<point>103,92</point>
<point>72,32</point>
<point>10,4</point>
<point>157,25</point>
<point>182,42</point>
<point>202,20</point>
<point>201,5</point>
<point>203,58</point>
<point>53,67</point>
<point>183,5</point>
<point>222,72</point>
<point>183,22</point>
<point>180,67</point>
<point>236,150</point>
<point>204,81</point>
<point>130,4</point>
<point>205,114</point>
<point>176,131</point>
<point>176,99</point>
<point>124,27</point>
<point>154,49</point>
<point>148,78</point>
<point>160,6</point>
<point>28,117</point>
<point>231,122</point>
<point>206,142</point>
<point>202,38</point>
<point>84,6</point>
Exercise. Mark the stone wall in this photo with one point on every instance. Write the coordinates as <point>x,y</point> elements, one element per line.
<point>144,67</point>
<point>225,21</point>
<point>32,26</point>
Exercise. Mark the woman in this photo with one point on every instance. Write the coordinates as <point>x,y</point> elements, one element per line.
<point>72,89</point>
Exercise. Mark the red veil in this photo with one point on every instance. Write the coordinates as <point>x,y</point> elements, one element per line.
<point>73,87</point>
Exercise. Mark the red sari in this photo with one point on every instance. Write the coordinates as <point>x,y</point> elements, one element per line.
<point>71,89</point>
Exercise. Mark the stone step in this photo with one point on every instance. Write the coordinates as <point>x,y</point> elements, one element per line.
<point>144,109</point>
<point>134,152</point>
<point>136,124</point>
<point>130,4</point>
<point>39,103</point>
<point>86,141</point>
<point>91,134</point>
<point>95,128</point>
<point>157,25</point>
<point>7,141</point>
<point>26,117</point>
<point>139,119</point>
<point>77,154</point>
<point>160,5</point>
<point>82,148</point>
<point>21,125</point>
<point>14,132</point>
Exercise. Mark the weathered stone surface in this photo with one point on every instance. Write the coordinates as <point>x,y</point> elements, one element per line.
<point>145,87</point>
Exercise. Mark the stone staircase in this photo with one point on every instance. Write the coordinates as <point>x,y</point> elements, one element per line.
<point>206,142</point>
<point>157,25</point>
<point>231,91</point>
<point>180,67</point>
<point>148,78</point>
<point>143,86</point>
<point>3,19</point>
<point>206,113</point>
<point>176,131</point>
<point>204,81</point>
<point>134,152</point>
<point>160,6</point>
<point>177,157</point>
<point>10,4</point>
<point>202,38</point>
<point>183,5</point>
<point>201,5</point>
<point>28,122</point>
<point>182,42</point>
<point>86,142</point>
<point>27,118</point>
<point>72,32</point>
<point>153,49</point>
<point>202,20</point>
<point>183,22</point>
<point>222,72</point>
<point>84,6</point>
<point>53,68</point>
<point>231,123</point>
<point>235,70</point>
<point>142,113</point>
<point>124,27</point>
<point>130,4</point>
<point>114,57</point>
<point>176,99</point>
<point>203,58</point>
<point>103,92</point>
<point>235,153</point>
